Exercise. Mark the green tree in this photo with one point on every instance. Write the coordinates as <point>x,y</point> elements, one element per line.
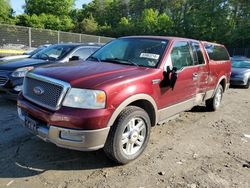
<point>48,14</point>
<point>6,12</point>
<point>240,23</point>
<point>88,25</point>
<point>54,7</point>
<point>124,27</point>
<point>223,21</point>
<point>148,21</point>
<point>46,21</point>
<point>164,25</point>
<point>30,21</point>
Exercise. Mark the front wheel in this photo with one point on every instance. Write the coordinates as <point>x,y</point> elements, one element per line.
<point>248,84</point>
<point>129,135</point>
<point>214,103</point>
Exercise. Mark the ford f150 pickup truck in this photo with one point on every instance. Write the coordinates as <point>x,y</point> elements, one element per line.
<point>113,99</point>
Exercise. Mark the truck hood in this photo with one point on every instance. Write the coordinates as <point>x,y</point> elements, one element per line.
<point>14,64</point>
<point>89,74</point>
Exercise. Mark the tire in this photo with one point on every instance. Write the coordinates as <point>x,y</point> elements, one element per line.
<point>248,84</point>
<point>213,104</point>
<point>129,135</point>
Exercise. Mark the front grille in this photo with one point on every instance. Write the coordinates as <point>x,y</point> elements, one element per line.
<point>51,91</point>
<point>3,80</point>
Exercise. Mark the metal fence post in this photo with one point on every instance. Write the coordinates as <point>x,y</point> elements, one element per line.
<point>80,38</point>
<point>99,39</point>
<point>29,33</point>
<point>58,37</point>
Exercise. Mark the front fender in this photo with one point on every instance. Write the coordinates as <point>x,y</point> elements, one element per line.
<point>130,100</point>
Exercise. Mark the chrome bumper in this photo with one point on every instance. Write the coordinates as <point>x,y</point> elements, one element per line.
<point>82,140</point>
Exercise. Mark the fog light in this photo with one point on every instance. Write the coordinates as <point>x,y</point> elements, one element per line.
<point>18,88</point>
<point>67,135</point>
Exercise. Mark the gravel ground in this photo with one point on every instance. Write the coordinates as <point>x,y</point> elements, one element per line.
<point>196,149</point>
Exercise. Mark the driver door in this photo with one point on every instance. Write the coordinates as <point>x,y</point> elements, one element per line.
<point>180,97</point>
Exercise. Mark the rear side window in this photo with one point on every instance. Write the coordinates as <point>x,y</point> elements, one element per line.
<point>216,53</point>
<point>197,53</point>
<point>181,56</point>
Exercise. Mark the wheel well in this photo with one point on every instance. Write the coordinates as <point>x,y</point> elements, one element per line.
<point>223,84</point>
<point>148,107</point>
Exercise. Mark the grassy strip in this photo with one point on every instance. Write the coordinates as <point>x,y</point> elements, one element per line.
<point>10,51</point>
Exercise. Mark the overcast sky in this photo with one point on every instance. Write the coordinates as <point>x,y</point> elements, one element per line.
<point>17,4</point>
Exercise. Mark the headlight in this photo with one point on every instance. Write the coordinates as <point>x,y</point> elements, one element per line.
<point>85,98</point>
<point>21,72</point>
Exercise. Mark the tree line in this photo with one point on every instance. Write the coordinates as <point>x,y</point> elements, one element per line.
<point>223,21</point>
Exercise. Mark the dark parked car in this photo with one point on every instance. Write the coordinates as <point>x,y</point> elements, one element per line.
<point>13,71</point>
<point>240,72</point>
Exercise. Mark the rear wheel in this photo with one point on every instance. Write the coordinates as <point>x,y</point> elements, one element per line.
<point>214,103</point>
<point>129,135</point>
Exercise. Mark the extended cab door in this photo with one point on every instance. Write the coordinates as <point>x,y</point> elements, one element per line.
<point>203,66</point>
<point>175,100</point>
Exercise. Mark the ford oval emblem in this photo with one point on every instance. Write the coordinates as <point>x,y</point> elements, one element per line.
<point>38,90</point>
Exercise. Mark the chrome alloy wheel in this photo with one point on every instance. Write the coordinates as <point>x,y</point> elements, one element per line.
<point>218,98</point>
<point>133,136</point>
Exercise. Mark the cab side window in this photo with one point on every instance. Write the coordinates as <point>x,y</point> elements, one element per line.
<point>197,54</point>
<point>181,56</point>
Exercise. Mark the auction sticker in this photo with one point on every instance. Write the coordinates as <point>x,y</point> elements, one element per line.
<point>150,56</point>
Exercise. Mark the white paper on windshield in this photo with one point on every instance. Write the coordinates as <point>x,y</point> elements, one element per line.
<point>150,56</point>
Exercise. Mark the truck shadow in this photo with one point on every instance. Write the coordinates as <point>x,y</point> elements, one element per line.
<point>23,154</point>
<point>33,157</point>
<point>199,109</point>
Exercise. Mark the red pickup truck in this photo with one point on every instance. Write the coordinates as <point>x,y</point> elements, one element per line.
<point>113,99</point>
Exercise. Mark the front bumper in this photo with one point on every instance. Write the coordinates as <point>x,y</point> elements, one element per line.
<point>8,89</point>
<point>238,81</point>
<point>83,140</point>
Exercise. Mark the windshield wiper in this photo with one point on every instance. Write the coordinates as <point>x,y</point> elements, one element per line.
<point>93,58</point>
<point>118,60</point>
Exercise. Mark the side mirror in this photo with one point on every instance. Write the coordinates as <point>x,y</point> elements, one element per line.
<point>74,58</point>
<point>170,77</point>
<point>174,77</point>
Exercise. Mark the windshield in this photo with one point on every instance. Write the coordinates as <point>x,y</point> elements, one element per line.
<point>132,51</point>
<point>35,51</point>
<point>53,53</point>
<point>241,64</point>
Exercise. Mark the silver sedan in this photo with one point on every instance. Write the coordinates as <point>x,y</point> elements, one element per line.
<point>240,72</point>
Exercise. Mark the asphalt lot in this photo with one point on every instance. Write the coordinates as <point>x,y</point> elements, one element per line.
<point>197,149</point>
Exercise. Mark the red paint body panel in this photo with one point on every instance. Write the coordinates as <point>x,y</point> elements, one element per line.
<point>121,82</point>
<point>68,117</point>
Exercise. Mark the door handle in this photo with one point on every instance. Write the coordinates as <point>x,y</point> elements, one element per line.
<point>195,76</point>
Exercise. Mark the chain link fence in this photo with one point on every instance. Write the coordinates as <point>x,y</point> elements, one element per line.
<point>239,52</point>
<point>18,37</point>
